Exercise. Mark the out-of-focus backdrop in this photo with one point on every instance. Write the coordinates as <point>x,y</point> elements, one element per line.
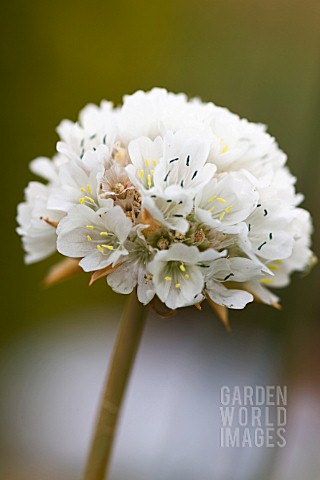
<point>261,60</point>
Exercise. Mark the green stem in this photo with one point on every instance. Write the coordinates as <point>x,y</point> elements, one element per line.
<point>124,353</point>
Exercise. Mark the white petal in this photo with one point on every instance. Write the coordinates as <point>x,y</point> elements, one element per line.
<point>124,279</point>
<point>229,298</point>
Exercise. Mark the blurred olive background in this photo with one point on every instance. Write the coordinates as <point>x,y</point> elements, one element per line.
<point>258,58</point>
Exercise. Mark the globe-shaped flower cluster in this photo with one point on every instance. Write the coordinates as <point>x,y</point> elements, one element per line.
<point>181,199</point>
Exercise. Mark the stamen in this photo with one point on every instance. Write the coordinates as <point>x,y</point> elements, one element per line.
<point>168,279</point>
<point>90,227</point>
<point>89,238</point>
<point>211,209</point>
<point>266,280</point>
<point>89,189</point>
<point>166,177</point>
<point>89,199</point>
<point>178,285</point>
<point>227,210</point>
<point>211,199</point>
<point>83,190</point>
<point>260,246</point>
<point>149,181</point>
<point>100,249</point>
<point>154,163</point>
<point>108,247</point>
<point>273,267</point>
<point>222,216</point>
<point>225,149</point>
<point>182,268</point>
<point>186,276</point>
<point>228,276</point>
<point>82,200</point>
<point>221,200</point>
<point>147,163</point>
<point>104,233</point>
<point>141,174</point>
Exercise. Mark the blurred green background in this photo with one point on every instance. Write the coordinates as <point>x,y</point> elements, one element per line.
<point>258,58</point>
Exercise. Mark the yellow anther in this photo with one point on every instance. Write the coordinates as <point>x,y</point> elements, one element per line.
<point>266,280</point>
<point>108,247</point>
<point>211,209</point>
<point>178,285</point>
<point>100,249</point>
<point>90,227</point>
<point>152,171</point>
<point>89,189</point>
<point>89,199</point>
<point>83,190</point>
<point>211,199</point>
<point>154,163</point>
<point>186,276</point>
<point>82,200</point>
<point>273,267</point>
<point>227,210</point>
<point>168,279</point>
<point>104,233</point>
<point>89,238</point>
<point>221,200</point>
<point>141,173</point>
<point>182,268</point>
<point>147,163</point>
<point>222,216</point>
<point>225,149</point>
<point>149,181</point>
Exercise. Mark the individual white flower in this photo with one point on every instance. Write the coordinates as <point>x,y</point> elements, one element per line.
<point>169,173</point>
<point>178,274</point>
<point>235,269</point>
<point>37,223</point>
<point>301,257</point>
<point>96,126</point>
<point>134,270</point>
<point>97,237</point>
<point>226,201</point>
<point>169,208</point>
<point>268,231</point>
<point>183,165</point>
<point>80,181</point>
<point>145,155</point>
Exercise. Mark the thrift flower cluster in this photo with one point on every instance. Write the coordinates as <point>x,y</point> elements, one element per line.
<point>181,199</point>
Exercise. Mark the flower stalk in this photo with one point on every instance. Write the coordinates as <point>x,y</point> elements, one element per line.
<point>123,357</point>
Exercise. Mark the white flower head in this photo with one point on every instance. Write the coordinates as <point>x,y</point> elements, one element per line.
<point>175,198</point>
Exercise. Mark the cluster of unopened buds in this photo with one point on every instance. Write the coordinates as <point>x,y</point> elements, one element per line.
<point>180,199</point>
